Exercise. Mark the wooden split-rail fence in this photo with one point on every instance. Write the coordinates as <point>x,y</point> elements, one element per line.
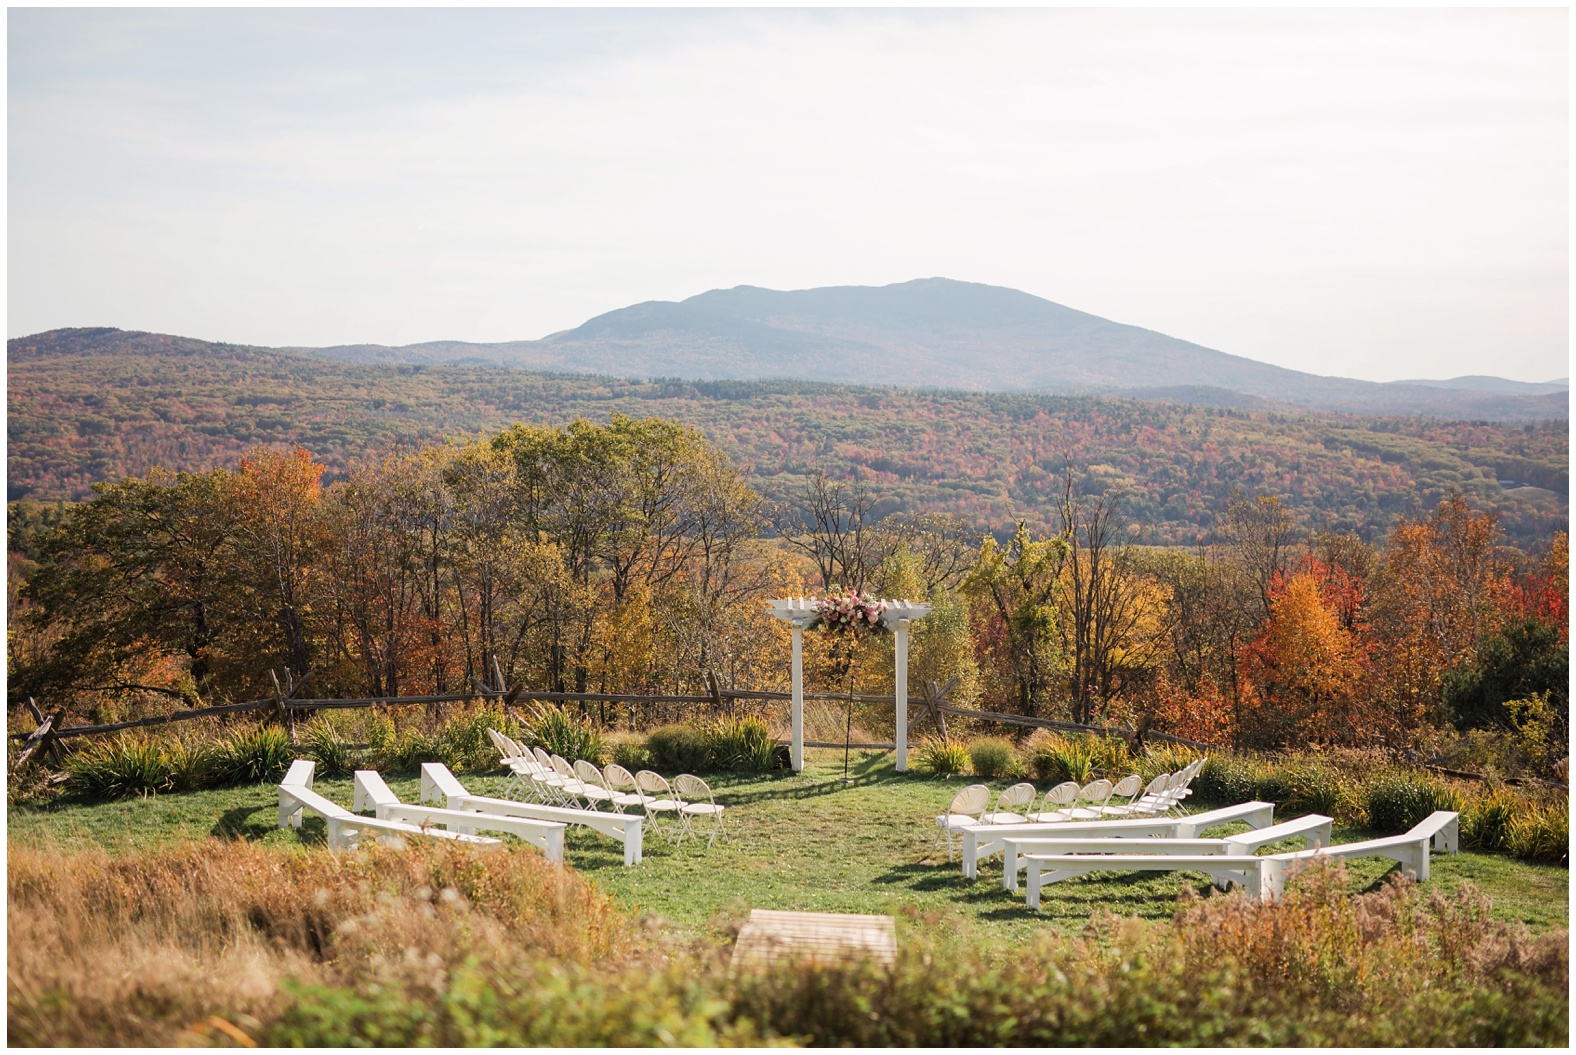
<point>285,703</point>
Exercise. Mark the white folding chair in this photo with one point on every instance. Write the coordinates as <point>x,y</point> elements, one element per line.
<point>1057,802</point>
<point>1015,797</point>
<point>570,787</point>
<point>621,783</point>
<point>966,808</point>
<point>591,787</point>
<point>1092,798</point>
<point>1126,789</point>
<point>691,790</point>
<point>660,797</point>
<point>549,779</point>
<point>1149,803</point>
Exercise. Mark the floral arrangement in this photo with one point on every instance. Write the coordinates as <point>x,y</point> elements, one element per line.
<point>850,613</point>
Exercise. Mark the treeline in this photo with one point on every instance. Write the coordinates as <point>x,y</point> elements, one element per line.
<point>88,411</point>
<point>634,556</point>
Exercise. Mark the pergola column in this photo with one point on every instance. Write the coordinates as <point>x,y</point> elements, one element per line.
<point>900,646</point>
<point>797,717</point>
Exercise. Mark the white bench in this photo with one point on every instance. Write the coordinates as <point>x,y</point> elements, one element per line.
<point>1440,830</point>
<point>345,829</point>
<point>982,840</point>
<point>438,783</point>
<point>371,791</point>
<point>1314,828</point>
<point>300,775</point>
<point>1225,869</point>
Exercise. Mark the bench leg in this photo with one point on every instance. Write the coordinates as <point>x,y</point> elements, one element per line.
<point>1009,869</point>
<point>631,846</point>
<point>1033,885</point>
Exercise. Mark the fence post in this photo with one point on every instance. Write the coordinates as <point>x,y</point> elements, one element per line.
<point>281,712</point>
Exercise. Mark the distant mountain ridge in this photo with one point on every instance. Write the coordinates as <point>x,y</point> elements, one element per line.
<point>941,333</point>
<point>936,333</point>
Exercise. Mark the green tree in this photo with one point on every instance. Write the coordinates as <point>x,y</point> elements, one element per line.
<point>1018,583</point>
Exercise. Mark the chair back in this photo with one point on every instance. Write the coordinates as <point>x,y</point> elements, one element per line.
<point>1013,797</point>
<point>543,759</point>
<point>1128,786</point>
<point>618,778</point>
<point>692,789</point>
<point>1096,792</point>
<point>971,801</point>
<point>1158,785</point>
<point>562,767</point>
<point>1063,794</point>
<point>588,774</point>
<point>526,756</point>
<point>654,784</point>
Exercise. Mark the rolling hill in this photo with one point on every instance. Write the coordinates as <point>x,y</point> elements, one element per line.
<point>86,406</point>
<point>937,332</point>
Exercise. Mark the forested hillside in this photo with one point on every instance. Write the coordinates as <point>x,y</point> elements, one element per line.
<point>90,406</point>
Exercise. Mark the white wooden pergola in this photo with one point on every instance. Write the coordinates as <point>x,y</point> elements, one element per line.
<point>799,612</point>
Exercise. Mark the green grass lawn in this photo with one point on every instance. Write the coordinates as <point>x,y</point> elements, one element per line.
<point>805,842</point>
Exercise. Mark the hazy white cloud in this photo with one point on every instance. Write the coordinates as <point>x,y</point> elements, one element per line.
<point>1375,194</point>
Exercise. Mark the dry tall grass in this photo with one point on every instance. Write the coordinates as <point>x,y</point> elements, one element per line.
<point>220,942</point>
<point>133,949</point>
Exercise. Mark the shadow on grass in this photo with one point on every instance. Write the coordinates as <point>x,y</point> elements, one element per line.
<point>237,824</point>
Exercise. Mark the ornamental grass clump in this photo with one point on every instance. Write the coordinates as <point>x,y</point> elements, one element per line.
<point>558,732</point>
<point>1072,759</point>
<point>744,745</point>
<point>939,756</point>
<point>1541,831</point>
<point>1396,801</point>
<point>259,755</point>
<point>321,741</point>
<point>120,767</point>
<point>993,757</point>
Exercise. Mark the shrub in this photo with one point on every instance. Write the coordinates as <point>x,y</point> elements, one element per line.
<point>1396,801</point>
<point>253,756</point>
<point>392,750</point>
<point>940,756</point>
<point>992,757</point>
<point>1038,754</point>
<point>321,742</point>
<point>558,732</point>
<point>629,751</point>
<point>679,748</point>
<point>1228,778</point>
<point>745,745</point>
<point>119,767</point>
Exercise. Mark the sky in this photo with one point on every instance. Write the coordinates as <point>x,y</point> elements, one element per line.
<point>1367,193</point>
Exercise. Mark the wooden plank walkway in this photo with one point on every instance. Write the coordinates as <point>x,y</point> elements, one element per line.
<point>823,936</point>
